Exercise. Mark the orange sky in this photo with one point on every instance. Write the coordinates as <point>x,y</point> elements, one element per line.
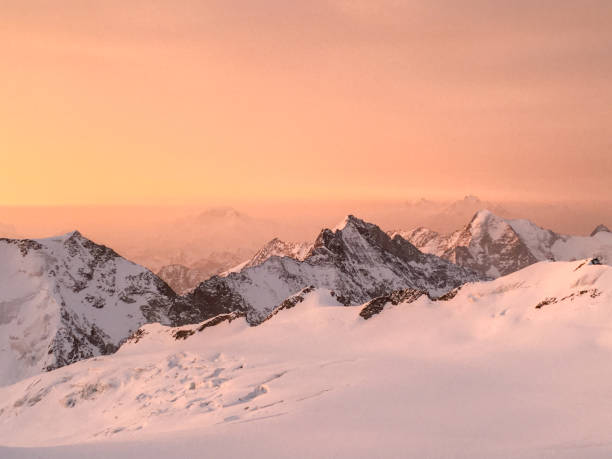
<point>184,102</point>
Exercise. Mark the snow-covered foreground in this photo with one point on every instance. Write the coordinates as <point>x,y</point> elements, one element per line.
<point>485,374</point>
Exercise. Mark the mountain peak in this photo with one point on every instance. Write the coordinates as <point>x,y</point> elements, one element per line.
<point>349,220</point>
<point>75,234</point>
<point>482,217</point>
<point>599,229</point>
<point>356,260</point>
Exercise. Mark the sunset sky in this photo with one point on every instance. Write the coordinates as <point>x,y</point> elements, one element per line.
<point>187,102</point>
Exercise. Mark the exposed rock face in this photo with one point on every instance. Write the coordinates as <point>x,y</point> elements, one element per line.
<point>290,302</point>
<point>185,332</point>
<point>406,296</point>
<point>65,299</point>
<point>488,244</point>
<point>495,246</point>
<point>376,306</point>
<point>357,260</point>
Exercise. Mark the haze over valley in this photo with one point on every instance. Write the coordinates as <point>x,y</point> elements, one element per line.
<point>332,228</point>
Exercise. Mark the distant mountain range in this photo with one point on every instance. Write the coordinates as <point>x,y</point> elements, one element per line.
<point>182,279</point>
<point>67,298</point>
<point>527,352</point>
<point>356,260</point>
<point>211,241</point>
<point>496,246</point>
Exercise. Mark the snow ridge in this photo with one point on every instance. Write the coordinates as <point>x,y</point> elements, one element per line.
<point>357,261</point>
<point>66,298</point>
<point>495,246</point>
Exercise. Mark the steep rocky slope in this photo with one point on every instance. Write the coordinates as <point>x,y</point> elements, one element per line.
<point>66,298</point>
<point>518,367</point>
<point>356,260</point>
<point>495,246</point>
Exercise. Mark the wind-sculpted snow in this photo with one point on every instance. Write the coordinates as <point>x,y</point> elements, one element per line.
<point>496,246</point>
<point>65,299</point>
<point>357,261</point>
<point>486,373</point>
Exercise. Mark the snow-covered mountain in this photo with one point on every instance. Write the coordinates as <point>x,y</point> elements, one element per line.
<point>356,260</point>
<point>496,246</point>
<point>517,367</point>
<point>274,248</point>
<point>182,279</point>
<point>66,298</point>
<point>599,229</point>
<point>278,248</point>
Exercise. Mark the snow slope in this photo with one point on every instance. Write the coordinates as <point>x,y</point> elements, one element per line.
<point>496,246</point>
<point>66,298</point>
<point>273,248</point>
<point>518,367</point>
<point>278,248</point>
<point>356,260</point>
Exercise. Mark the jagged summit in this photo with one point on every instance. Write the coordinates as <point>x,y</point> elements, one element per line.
<point>357,260</point>
<point>348,221</point>
<point>278,248</point>
<point>67,298</point>
<point>76,234</point>
<point>496,246</point>
<point>599,229</point>
<point>355,238</point>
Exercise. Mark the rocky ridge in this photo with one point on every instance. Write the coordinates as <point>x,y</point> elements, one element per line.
<point>496,247</point>
<point>357,261</point>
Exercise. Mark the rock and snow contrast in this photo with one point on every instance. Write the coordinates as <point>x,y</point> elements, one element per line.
<point>599,229</point>
<point>516,367</point>
<point>64,299</point>
<point>357,261</point>
<point>495,246</point>
<point>278,248</point>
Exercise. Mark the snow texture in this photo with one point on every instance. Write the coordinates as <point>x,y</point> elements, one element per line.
<point>518,367</point>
